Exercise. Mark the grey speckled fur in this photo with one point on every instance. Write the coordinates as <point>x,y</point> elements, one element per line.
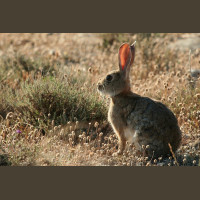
<point>136,119</point>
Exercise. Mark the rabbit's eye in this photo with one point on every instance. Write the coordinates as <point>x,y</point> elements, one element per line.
<point>109,78</point>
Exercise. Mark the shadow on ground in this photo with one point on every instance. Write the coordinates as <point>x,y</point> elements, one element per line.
<point>4,161</point>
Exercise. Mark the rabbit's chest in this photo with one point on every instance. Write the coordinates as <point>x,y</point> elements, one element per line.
<point>120,124</point>
<point>115,116</point>
<point>118,116</point>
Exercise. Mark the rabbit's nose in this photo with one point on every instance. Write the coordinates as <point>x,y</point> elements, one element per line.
<point>100,87</point>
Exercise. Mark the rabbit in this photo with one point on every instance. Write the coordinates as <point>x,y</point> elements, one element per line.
<point>135,119</point>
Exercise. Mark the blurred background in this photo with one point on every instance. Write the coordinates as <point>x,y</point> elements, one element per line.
<point>48,94</point>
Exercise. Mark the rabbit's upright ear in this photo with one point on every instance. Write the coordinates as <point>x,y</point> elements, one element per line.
<point>126,57</point>
<point>132,53</point>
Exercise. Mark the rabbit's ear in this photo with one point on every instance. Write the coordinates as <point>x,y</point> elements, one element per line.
<point>132,53</point>
<point>124,57</point>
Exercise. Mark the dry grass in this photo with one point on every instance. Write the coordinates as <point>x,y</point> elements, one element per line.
<point>51,113</point>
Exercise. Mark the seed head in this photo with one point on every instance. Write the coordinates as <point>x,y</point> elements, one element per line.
<point>90,70</point>
<point>197,96</point>
<point>73,134</point>
<point>160,158</point>
<point>96,124</point>
<point>147,146</point>
<point>100,134</point>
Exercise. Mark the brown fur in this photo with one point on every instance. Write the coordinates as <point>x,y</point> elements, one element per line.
<point>140,119</point>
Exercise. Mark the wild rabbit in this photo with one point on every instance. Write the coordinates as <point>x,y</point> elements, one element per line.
<point>136,119</point>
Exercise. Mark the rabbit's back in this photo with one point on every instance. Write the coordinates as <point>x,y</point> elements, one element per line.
<point>147,122</point>
<point>155,126</point>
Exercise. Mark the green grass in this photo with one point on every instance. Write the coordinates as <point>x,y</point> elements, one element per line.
<point>51,98</point>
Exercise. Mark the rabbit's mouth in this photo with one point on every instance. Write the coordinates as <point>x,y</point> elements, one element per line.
<point>100,88</point>
<point>104,91</point>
